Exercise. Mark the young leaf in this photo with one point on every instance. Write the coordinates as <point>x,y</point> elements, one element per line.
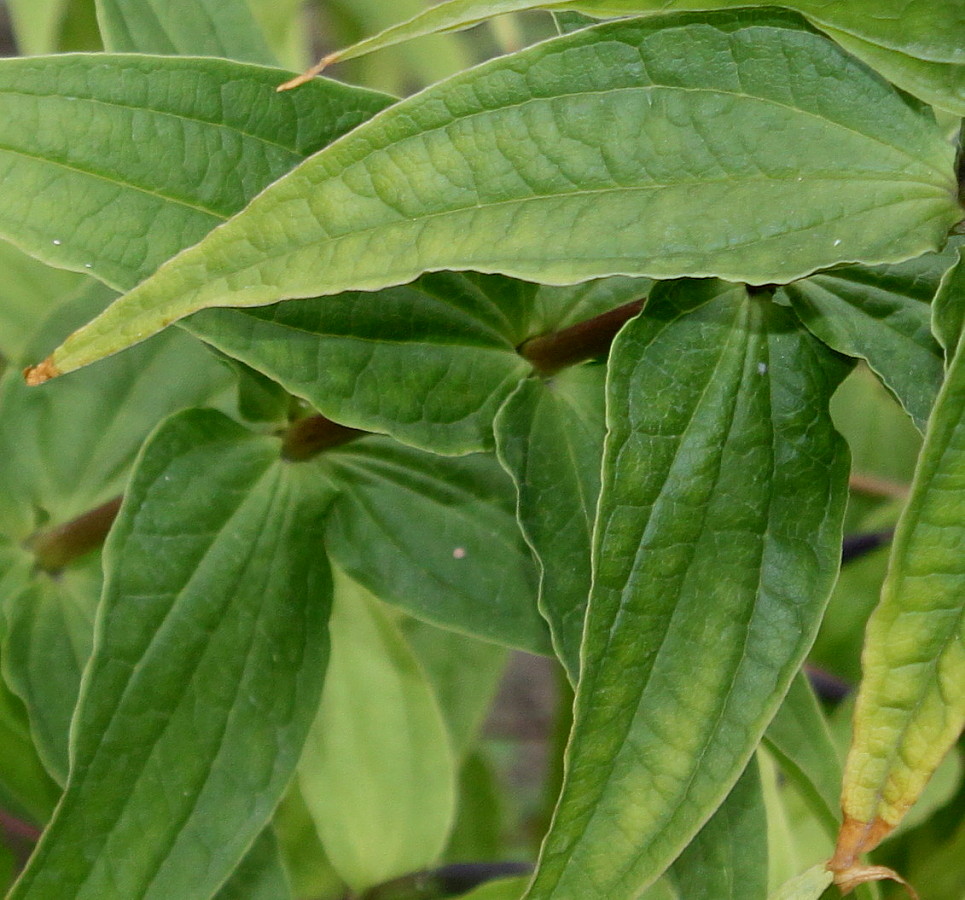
<point>203,137</point>
<point>718,536</point>
<point>911,705</point>
<point>161,801</point>
<point>436,536</point>
<point>826,161</point>
<point>199,28</point>
<point>948,310</point>
<point>550,439</point>
<point>377,773</point>
<point>809,885</point>
<point>37,24</point>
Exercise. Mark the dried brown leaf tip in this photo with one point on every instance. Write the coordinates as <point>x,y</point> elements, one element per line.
<point>854,839</point>
<point>309,74</point>
<point>40,373</point>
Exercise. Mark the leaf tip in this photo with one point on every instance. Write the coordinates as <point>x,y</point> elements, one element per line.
<point>309,74</point>
<point>40,373</point>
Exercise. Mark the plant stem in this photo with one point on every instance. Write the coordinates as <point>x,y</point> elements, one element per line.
<point>548,353</point>
<point>306,438</point>
<point>65,543</point>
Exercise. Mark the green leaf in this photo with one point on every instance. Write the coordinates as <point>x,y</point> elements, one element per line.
<point>911,704</point>
<point>46,644</point>
<point>261,875</point>
<point>201,28</point>
<point>550,439</point>
<point>717,539</point>
<point>501,889</point>
<point>917,45</point>
<point>377,774</point>
<point>30,290</point>
<point>799,738</point>
<point>203,137</point>
<point>948,310</point>
<point>809,885</point>
<point>465,674</point>
<point>37,24</point>
<point>163,802</point>
<point>25,787</point>
<point>727,860</point>
<point>881,315</point>
<point>520,166</point>
<point>435,536</point>
<point>68,448</point>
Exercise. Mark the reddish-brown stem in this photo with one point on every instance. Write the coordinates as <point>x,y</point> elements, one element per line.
<point>312,435</point>
<point>65,543</point>
<point>548,353</point>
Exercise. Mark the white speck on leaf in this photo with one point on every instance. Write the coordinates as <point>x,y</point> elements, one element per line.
<point>838,241</point>
<point>762,368</point>
<point>459,553</point>
<point>56,242</point>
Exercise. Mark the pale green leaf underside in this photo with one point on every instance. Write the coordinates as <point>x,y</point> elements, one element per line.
<point>717,539</point>
<point>911,706</point>
<point>809,885</point>
<point>377,773</point>
<point>225,28</point>
<point>521,166</point>
<point>917,44</point>
<point>188,623</point>
<point>111,164</point>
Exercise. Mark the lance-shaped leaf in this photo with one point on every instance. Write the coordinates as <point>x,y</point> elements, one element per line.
<point>550,439</point>
<point>378,773</point>
<point>436,536</point>
<point>112,164</point>
<point>200,28</point>
<point>918,46</point>
<point>911,705</point>
<point>585,156</point>
<point>717,539</point>
<point>216,599</point>
<point>882,315</point>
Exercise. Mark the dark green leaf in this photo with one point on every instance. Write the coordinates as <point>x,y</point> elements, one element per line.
<point>435,536</point>
<point>949,307</point>
<point>261,875</point>
<point>216,600</point>
<point>550,439</point>
<point>717,541</point>
<point>881,315</point>
<point>727,860</point>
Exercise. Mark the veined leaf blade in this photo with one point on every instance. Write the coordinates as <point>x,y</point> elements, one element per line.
<point>718,536</point>
<point>477,171</point>
<point>188,622</point>
<point>911,703</point>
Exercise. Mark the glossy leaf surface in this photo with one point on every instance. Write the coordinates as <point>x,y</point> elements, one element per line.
<point>718,538</point>
<point>911,705</point>
<point>216,598</point>
<point>200,28</point>
<point>550,439</point>
<point>69,178</point>
<point>476,171</point>
<point>436,536</point>
<point>378,716</point>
